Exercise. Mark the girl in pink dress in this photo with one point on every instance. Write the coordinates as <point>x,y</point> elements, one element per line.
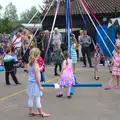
<point>67,76</point>
<point>116,69</point>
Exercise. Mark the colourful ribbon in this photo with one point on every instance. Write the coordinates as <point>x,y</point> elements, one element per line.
<point>58,4</point>
<point>87,7</point>
<point>95,26</point>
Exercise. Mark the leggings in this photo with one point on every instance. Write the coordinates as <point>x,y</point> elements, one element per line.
<point>30,102</point>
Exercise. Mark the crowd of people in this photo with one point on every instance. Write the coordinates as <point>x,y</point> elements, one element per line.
<point>24,51</point>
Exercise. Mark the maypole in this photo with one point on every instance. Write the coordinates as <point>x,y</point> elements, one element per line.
<point>67,11</point>
<point>68,25</point>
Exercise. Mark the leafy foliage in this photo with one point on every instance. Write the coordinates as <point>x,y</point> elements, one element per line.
<point>11,12</point>
<point>28,14</point>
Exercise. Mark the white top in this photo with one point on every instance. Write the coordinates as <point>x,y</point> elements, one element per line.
<point>56,39</point>
<point>17,42</point>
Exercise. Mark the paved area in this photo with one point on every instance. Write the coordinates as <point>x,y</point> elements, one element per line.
<point>86,104</point>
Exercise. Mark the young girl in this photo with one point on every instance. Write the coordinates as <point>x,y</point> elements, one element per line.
<point>67,76</point>
<point>116,69</point>
<point>96,61</point>
<point>42,68</point>
<point>34,88</point>
<point>118,39</point>
<point>73,51</point>
<point>9,67</point>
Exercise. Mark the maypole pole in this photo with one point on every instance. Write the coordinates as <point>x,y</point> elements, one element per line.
<point>68,25</point>
<point>67,11</point>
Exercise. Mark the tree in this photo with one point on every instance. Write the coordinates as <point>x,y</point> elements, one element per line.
<point>0,10</point>
<point>5,25</point>
<point>27,15</point>
<point>11,12</point>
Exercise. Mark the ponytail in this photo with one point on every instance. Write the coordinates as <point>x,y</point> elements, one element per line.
<point>66,61</point>
<point>31,60</point>
<point>66,56</point>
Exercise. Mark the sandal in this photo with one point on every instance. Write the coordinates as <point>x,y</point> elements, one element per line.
<point>31,114</point>
<point>69,96</point>
<point>108,87</point>
<point>59,95</point>
<point>45,115</point>
<point>116,87</point>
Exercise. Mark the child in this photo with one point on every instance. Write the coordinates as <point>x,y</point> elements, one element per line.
<point>9,67</point>
<point>116,69</point>
<point>57,58</point>
<point>73,51</point>
<point>42,68</point>
<point>118,39</point>
<point>67,76</point>
<point>15,59</point>
<point>96,61</point>
<point>34,88</point>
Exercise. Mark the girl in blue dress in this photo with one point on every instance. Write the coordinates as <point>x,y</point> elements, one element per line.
<point>34,88</point>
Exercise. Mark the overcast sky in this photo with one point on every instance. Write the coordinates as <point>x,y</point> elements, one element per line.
<point>21,5</point>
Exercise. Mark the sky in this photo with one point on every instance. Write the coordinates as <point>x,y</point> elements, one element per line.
<point>21,5</point>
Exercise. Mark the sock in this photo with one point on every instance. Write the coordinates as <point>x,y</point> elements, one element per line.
<point>60,91</point>
<point>68,91</point>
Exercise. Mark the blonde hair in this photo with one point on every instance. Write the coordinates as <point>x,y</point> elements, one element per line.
<point>34,53</point>
<point>25,32</point>
<point>74,42</point>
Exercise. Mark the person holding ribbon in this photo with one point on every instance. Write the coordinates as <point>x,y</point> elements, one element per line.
<point>25,44</point>
<point>66,77</point>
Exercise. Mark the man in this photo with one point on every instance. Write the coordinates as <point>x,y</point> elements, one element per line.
<point>85,42</point>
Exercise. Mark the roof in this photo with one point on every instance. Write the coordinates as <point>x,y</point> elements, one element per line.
<point>97,6</point>
<point>27,26</point>
<point>31,26</point>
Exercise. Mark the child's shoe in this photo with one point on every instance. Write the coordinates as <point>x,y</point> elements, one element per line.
<point>108,87</point>
<point>59,95</point>
<point>116,86</point>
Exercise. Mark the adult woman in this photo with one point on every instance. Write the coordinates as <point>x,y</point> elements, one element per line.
<point>25,44</point>
<point>56,38</point>
<point>79,37</point>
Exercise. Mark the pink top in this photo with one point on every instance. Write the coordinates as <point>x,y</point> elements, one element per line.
<point>117,58</point>
<point>41,63</point>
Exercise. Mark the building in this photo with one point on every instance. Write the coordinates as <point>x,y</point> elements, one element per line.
<point>103,9</point>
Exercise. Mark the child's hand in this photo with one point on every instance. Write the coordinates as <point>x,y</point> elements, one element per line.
<point>110,65</point>
<point>41,88</point>
<point>41,68</point>
<point>118,66</point>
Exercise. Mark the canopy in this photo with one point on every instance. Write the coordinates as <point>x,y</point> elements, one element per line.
<point>114,21</point>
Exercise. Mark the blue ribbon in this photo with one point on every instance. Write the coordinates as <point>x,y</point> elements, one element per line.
<point>68,25</point>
